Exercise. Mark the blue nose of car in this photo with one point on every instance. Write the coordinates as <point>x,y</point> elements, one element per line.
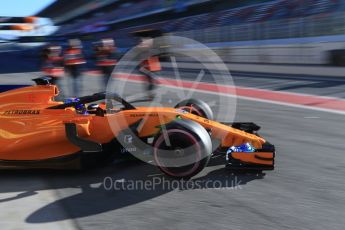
<point>245,148</point>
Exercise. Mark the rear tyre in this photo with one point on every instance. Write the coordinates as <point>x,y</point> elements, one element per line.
<point>182,149</point>
<point>196,107</point>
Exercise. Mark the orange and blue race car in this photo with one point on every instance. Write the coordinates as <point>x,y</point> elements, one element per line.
<point>38,132</point>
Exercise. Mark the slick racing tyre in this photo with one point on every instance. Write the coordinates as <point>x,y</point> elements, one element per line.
<point>196,107</point>
<point>182,149</point>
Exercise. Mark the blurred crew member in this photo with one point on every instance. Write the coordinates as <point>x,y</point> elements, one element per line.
<point>52,62</point>
<point>105,54</point>
<point>151,63</point>
<point>73,60</point>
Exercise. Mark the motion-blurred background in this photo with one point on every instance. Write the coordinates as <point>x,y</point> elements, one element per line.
<point>298,32</point>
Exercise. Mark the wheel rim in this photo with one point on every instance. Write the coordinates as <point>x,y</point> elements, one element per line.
<point>160,157</point>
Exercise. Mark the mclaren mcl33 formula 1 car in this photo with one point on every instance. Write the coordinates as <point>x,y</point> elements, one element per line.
<point>38,132</point>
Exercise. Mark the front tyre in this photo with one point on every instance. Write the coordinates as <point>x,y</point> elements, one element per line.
<point>182,149</point>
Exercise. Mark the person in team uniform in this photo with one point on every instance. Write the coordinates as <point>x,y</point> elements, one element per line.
<point>73,61</point>
<point>151,62</point>
<point>52,63</point>
<point>105,54</point>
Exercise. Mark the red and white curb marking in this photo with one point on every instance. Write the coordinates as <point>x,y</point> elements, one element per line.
<point>320,103</point>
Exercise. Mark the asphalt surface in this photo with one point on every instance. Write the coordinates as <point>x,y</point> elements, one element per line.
<point>304,84</point>
<point>305,191</point>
